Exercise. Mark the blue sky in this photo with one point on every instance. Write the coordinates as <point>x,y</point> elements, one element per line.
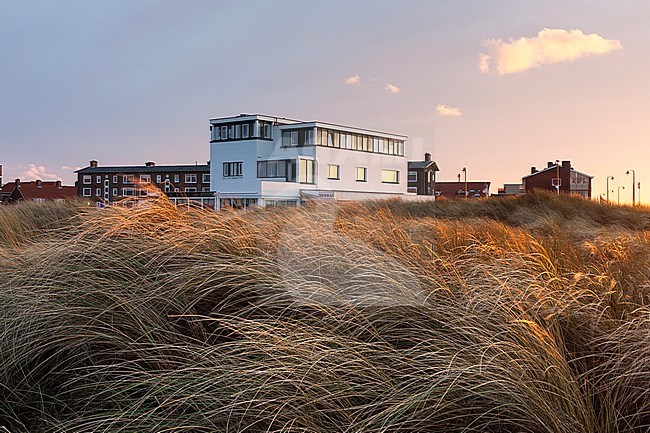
<point>129,82</point>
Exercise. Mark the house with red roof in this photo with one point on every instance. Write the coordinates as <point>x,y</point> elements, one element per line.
<point>37,191</point>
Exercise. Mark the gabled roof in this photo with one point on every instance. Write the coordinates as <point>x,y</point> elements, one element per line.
<point>423,164</point>
<point>554,167</point>
<point>146,169</point>
<point>32,190</point>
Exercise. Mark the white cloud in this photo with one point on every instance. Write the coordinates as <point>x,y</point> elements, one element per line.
<point>548,47</point>
<point>353,80</point>
<point>446,110</point>
<point>392,88</point>
<point>34,172</point>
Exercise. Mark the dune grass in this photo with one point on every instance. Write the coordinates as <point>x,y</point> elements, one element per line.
<point>521,315</point>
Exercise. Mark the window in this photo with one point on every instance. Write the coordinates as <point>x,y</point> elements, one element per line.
<point>177,178</point>
<point>114,191</point>
<point>244,130</point>
<point>128,179</point>
<point>145,178</point>
<point>333,171</point>
<point>224,132</point>
<point>294,138</point>
<point>413,176</point>
<point>237,131</point>
<point>271,169</point>
<point>205,189</point>
<point>98,192</point>
<point>307,170</point>
<point>115,179</point>
<point>158,178</point>
<point>362,174</point>
<point>232,169</point>
<point>190,178</point>
<point>88,179</point>
<point>389,176</point>
<point>39,200</point>
<point>231,131</point>
<point>128,192</point>
<point>190,189</point>
<point>86,192</point>
<point>267,130</point>
<point>206,178</point>
<point>98,179</point>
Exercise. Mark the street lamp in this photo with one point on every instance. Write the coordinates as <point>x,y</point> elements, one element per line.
<point>465,173</point>
<point>633,184</point>
<point>459,187</point>
<point>619,194</point>
<point>608,178</point>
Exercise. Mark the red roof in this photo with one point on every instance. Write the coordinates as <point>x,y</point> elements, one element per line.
<point>39,190</point>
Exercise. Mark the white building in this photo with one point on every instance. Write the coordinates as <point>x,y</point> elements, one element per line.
<point>267,161</point>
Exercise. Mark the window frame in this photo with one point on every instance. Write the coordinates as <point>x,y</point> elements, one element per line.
<point>191,178</point>
<point>385,171</point>
<point>363,178</point>
<point>86,192</point>
<point>337,176</point>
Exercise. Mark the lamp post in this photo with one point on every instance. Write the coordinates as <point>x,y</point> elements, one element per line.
<point>619,193</point>
<point>465,173</point>
<point>459,187</point>
<point>633,184</point>
<point>608,178</point>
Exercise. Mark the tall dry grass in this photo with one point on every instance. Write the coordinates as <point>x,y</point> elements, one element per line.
<point>523,315</point>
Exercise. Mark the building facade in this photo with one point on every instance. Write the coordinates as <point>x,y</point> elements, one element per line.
<point>37,191</point>
<point>456,189</point>
<point>267,161</point>
<point>558,176</point>
<point>422,176</point>
<point>111,184</point>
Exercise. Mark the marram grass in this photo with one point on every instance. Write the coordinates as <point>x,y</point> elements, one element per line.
<point>522,315</point>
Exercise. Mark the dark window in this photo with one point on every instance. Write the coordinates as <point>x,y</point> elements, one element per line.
<point>232,169</point>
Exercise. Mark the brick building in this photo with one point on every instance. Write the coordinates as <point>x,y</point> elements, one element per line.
<point>422,176</point>
<point>456,189</point>
<point>36,191</point>
<point>111,184</point>
<point>558,175</point>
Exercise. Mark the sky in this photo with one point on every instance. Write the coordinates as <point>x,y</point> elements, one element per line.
<point>496,87</point>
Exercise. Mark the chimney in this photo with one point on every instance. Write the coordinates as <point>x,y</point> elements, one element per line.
<point>17,183</point>
<point>150,164</point>
<point>533,170</point>
<point>58,184</point>
<point>550,164</point>
<point>566,164</point>
<point>93,163</point>
<point>427,156</point>
<point>39,184</point>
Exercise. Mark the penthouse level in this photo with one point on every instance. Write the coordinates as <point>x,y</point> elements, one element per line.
<point>266,160</point>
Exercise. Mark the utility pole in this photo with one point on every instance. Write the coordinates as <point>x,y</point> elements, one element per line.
<point>619,193</point>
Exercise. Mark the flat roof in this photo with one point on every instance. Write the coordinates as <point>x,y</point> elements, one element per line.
<point>144,168</point>
<point>305,124</point>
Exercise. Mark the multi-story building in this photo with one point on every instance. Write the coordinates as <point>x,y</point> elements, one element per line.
<point>37,191</point>
<point>182,183</point>
<point>422,176</point>
<point>558,177</point>
<point>266,161</point>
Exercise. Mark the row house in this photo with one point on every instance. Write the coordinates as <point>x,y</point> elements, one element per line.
<point>258,160</point>
<point>37,191</point>
<point>110,184</point>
